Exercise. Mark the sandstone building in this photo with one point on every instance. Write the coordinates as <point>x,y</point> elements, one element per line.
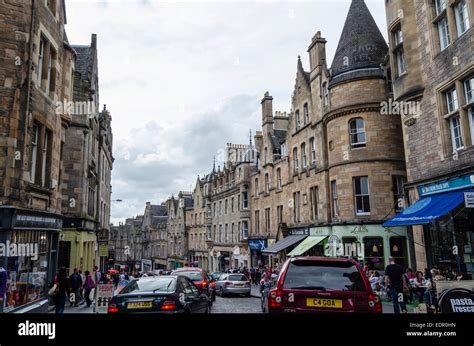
<point>332,169</point>
<point>85,181</point>
<point>36,69</point>
<point>432,65</point>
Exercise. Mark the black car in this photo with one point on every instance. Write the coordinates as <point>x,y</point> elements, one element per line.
<point>161,294</point>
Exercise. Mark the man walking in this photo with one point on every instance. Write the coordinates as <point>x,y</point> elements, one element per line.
<point>75,282</point>
<point>395,281</point>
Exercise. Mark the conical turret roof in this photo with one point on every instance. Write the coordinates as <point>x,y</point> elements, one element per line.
<point>361,46</point>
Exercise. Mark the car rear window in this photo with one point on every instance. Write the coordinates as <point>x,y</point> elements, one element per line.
<point>237,278</point>
<point>159,284</point>
<point>194,276</point>
<point>339,276</point>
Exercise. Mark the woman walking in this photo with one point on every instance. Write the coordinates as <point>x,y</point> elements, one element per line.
<point>62,290</point>
<point>88,286</point>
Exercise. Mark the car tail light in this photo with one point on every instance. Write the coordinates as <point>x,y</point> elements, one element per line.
<point>275,298</point>
<point>375,304</point>
<point>204,283</point>
<point>112,309</point>
<point>168,305</point>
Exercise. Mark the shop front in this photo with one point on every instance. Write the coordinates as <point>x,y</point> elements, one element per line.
<point>445,214</point>
<point>372,243</point>
<point>256,246</point>
<point>160,264</point>
<point>28,253</point>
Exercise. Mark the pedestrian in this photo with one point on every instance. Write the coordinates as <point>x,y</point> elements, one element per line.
<point>252,274</point>
<point>62,290</point>
<point>97,275</point>
<point>88,286</point>
<point>395,281</point>
<point>258,276</point>
<point>81,289</point>
<point>410,277</point>
<point>75,283</point>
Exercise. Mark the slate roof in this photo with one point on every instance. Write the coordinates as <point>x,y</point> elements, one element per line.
<point>158,210</point>
<point>361,45</point>
<point>83,60</point>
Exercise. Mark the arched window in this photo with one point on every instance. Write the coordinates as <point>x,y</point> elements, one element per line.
<point>306,113</point>
<point>357,133</point>
<point>297,120</point>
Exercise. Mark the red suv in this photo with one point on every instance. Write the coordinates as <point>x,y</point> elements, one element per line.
<point>200,278</point>
<point>322,284</point>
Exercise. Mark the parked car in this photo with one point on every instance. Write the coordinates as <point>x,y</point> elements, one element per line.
<point>322,284</point>
<point>233,284</point>
<point>200,278</point>
<point>160,294</point>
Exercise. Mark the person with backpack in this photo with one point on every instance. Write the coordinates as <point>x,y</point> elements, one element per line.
<point>88,286</point>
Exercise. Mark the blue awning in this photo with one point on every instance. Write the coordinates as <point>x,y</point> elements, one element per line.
<point>428,209</point>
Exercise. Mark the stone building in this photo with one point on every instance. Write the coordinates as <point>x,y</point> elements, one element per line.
<point>177,232</point>
<point>432,66</point>
<point>331,171</point>
<point>85,181</point>
<point>227,215</point>
<point>36,69</point>
<point>154,237</point>
<point>197,247</point>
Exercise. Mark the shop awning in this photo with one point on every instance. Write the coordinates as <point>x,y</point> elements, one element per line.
<point>428,209</point>
<point>307,244</point>
<point>283,244</point>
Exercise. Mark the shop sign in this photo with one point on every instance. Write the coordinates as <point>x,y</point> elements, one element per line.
<point>447,185</point>
<point>469,199</point>
<point>299,231</point>
<point>457,300</point>
<point>103,250</point>
<point>257,244</point>
<point>103,296</point>
<point>33,221</point>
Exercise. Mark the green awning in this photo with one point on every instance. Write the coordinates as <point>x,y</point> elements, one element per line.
<point>307,244</point>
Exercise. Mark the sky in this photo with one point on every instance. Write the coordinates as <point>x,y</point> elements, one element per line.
<point>184,78</point>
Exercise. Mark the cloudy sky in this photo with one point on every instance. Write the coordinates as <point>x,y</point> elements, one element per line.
<point>183,78</point>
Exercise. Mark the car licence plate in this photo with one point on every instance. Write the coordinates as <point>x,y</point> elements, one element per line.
<point>324,303</point>
<point>239,285</point>
<point>139,305</point>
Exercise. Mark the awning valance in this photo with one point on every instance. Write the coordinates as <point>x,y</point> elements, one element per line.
<point>307,244</point>
<point>283,244</point>
<point>428,209</point>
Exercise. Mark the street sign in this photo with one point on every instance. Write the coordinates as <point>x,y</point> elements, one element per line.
<point>104,293</point>
<point>103,250</point>
<point>469,199</point>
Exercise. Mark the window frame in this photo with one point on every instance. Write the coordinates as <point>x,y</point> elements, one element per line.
<point>279,183</point>
<point>361,195</point>
<point>452,128</point>
<point>465,21</point>
<point>356,132</point>
<point>334,199</point>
